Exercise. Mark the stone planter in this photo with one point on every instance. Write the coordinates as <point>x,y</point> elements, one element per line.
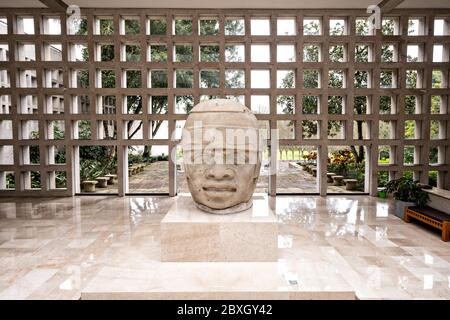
<point>89,185</point>
<point>400,207</point>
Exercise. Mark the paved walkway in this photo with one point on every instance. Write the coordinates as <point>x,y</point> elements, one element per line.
<point>155,179</point>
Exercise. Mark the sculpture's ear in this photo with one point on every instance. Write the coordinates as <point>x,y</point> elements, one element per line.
<point>257,170</point>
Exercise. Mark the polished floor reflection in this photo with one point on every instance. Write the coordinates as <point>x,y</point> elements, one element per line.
<point>52,248</point>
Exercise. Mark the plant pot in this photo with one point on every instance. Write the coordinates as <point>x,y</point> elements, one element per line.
<point>382,194</point>
<point>400,207</point>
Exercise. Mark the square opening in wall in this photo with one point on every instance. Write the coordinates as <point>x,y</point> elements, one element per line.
<point>336,105</point>
<point>132,52</point>
<point>286,27</point>
<point>79,78</point>
<point>157,26</point>
<point>130,26</point>
<point>362,27</point>
<point>133,79</point>
<point>437,79</point>
<point>336,79</point>
<point>362,53</point>
<point>26,51</point>
<point>389,53</point>
<point>260,27</point>
<point>260,79</point>
<point>56,130</point>
<point>361,79</point>
<point>107,79</point>
<point>158,53</point>
<point>208,27</point>
<point>414,53</point>
<point>83,130</point>
<point>361,105</point>
<point>260,53</point>
<point>410,128</point>
<point>416,26</point>
<point>158,79</point>
<point>209,52</point>
<point>312,27</point>
<point>387,105</point>
<point>78,52</point>
<point>183,104</point>
<point>80,104</point>
<point>104,26</point>
<point>158,104</point>
<point>51,25</point>
<point>285,79</point>
<point>182,26</point>
<point>285,104</point>
<point>52,52</point>
<point>133,105</point>
<point>234,53</point>
<point>209,78</point>
<point>389,26</point>
<point>53,78</point>
<point>234,78</point>
<point>408,155</point>
<point>184,78</point>
<point>311,53</point>
<point>4,52</point>
<point>184,53</point>
<point>310,129</point>
<point>337,27</point>
<point>384,155</point>
<point>310,105</point>
<point>24,25</point>
<point>286,129</point>
<point>260,104</point>
<point>286,53</point>
<point>337,53</point>
<point>336,129</point>
<point>234,27</point>
<point>6,155</point>
<point>311,78</point>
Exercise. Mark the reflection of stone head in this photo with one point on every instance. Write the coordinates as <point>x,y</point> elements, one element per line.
<point>221,155</point>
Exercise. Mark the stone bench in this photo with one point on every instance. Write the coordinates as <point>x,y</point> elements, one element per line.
<point>102,182</point>
<point>350,184</point>
<point>89,185</point>
<point>330,176</point>
<point>112,178</point>
<point>338,180</point>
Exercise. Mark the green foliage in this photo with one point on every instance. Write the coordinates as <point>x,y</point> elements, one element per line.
<point>210,53</point>
<point>405,189</point>
<point>234,27</point>
<point>209,27</point>
<point>383,178</point>
<point>432,178</point>
<point>183,27</point>
<point>158,27</point>
<point>158,53</point>
<point>10,181</point>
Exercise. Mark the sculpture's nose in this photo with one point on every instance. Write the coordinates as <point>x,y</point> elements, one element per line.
<point>218,172</point>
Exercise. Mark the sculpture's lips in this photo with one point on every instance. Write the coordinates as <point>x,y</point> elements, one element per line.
<point>220,188</point>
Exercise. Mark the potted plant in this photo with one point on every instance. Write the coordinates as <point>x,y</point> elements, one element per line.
<point>407,193</point>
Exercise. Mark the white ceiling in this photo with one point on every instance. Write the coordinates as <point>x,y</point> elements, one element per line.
<point>275,4</point>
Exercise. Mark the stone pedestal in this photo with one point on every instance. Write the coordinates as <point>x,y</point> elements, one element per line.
<point>189,234</point>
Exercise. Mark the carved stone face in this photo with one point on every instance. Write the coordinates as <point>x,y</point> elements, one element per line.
<point>221,171</point>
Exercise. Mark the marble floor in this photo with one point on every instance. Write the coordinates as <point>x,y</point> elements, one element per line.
<point>51,248</point>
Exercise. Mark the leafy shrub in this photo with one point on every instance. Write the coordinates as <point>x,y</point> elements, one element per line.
<point>405,189</point>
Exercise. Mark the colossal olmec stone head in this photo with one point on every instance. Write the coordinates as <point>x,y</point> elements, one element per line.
<point>221,155</point>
